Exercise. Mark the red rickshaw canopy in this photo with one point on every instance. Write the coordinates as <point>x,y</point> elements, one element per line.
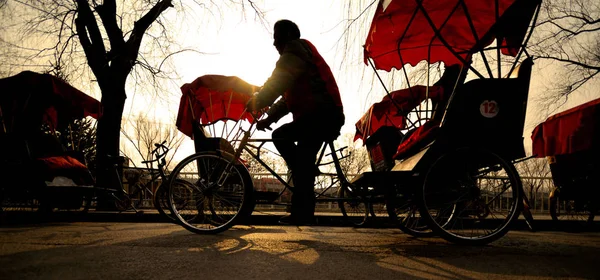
<point>574,130</point>
<point>212,98</point>
<point>409,31</point>
<point>386,113</point>
<point>28,99</point>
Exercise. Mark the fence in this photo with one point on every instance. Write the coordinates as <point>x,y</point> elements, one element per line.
<point>537,190</point>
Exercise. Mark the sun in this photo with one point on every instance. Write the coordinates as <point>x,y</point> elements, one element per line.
<point>250,55</point>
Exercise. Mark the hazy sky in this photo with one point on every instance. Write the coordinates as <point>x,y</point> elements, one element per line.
<point>244,48</point>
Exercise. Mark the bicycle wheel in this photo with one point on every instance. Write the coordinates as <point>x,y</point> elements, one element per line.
<point>218,194</point>
<point>353,206</point>
<point>570,213</point>
<point>377,205</point>
<point>161,197</point>
<point>470,196</point>
<point>120,199</point>
<point>136,195</point>
<point>404,212</point>
<point>161,202</point>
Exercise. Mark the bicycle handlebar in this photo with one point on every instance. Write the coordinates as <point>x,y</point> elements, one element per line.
<point>159,152</point>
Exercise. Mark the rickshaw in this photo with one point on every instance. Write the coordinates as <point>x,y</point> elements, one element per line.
<point>570,140</point>
<point>37,172</point>
<point>454,162</point>
<point>212,190</point>
<point>454,158</point>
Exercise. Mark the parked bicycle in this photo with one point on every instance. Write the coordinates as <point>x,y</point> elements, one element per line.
<point>142,180</point>
<point>160,195</point>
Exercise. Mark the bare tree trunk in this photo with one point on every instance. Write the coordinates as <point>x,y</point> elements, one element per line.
<point>109,127</point>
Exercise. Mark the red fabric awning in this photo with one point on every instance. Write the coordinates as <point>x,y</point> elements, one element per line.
<point>575,130</point>
<point>386,113</point>
<point>212,98</point>
<point>402,32</point>
<point>28,99</point>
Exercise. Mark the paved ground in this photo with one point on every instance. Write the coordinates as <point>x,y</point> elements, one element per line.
<point>124,250</point>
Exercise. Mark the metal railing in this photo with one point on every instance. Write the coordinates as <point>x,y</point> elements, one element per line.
<point>536,188</point>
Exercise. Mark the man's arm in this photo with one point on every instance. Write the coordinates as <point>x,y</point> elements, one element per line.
<point>277,111</point>
<point>291,65</point>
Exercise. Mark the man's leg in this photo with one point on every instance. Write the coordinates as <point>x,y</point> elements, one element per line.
<point>300,158</point>
<point>283,139</point>
<point>303,199</point>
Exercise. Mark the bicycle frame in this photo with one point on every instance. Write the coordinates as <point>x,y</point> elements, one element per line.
<point>245,145</point>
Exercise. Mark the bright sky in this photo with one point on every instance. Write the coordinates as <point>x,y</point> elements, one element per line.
<point>243,48</point>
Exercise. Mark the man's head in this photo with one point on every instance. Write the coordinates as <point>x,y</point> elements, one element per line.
<point>284,31</point>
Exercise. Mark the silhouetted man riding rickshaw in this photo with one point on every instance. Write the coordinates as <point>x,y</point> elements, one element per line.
<point>309,91</point>
<point>442,153</point>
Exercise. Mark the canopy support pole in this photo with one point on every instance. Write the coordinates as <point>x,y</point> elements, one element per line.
<point>444,42</point>
<point>379,77</point>
<point>522,49</point>
<point>227,114</point>
<point>400,53</point>
<point>388,92</point>
<point>191,108</point>
<point>498,44</point>
<point>478,40</point>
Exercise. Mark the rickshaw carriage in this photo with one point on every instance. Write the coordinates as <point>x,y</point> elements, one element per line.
<point>474,119</point>
<point>211,99</point>
<point>473,127</point>
<point>37,171</point>
<point>570,140</point>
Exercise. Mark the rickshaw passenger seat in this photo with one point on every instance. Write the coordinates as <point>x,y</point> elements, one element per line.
<point>469,124</point>
<point>382,146</point>
<point>203,142</point>
<point>490,113</point>
<point>422,136</point>
<point>454,75</point>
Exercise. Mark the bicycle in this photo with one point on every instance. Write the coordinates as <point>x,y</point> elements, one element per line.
<point>219,191</point>
<point>118,197</point>
<point>142,182</point>
<point>160,196</point>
